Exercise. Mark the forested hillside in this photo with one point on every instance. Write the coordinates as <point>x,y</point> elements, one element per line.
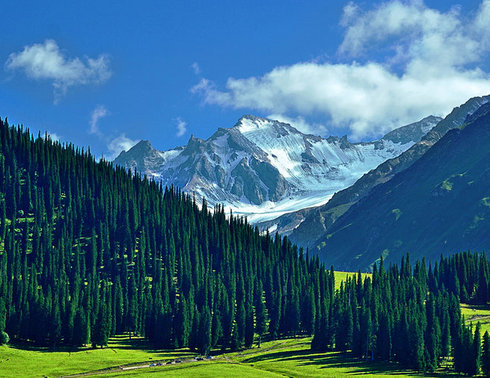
<point>88,250</point>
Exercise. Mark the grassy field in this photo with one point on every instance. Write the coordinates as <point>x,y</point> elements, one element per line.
<point>342,276</point>
<point>474,314</point>
<point>24,361</point>
<point>289,357</point>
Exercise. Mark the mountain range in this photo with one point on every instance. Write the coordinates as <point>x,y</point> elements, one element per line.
<point>349,203</point>
<point>262,168</point>
<point>311,224</point>
<point>438,205</point>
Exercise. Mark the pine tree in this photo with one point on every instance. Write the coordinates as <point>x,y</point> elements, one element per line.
<point>204,338</point>
<point>100,334</point>
<point>260,314</point>
<point>485,355</point>
<point>81,329</point>
<point>476,352</point>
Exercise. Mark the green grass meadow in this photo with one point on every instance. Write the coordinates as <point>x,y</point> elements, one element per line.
<point>28,361</point>
<point>287,357</point>
<point>342,276</point>
<point>474,314</point>
<point>281,358</point>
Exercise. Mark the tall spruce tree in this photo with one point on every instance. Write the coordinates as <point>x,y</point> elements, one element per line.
<point>485,355</point>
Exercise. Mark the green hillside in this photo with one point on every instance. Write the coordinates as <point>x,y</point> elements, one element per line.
<point>437,206</point>
<point>320,221</point>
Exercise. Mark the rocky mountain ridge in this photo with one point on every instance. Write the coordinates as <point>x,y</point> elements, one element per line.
<point>439,205</point>
<point>264,168</point>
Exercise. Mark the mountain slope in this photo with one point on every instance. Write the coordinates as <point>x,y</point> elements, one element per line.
<point>317,221</point>
<point>264,168</point>
<point>439,205</point>
<point>88,251</point>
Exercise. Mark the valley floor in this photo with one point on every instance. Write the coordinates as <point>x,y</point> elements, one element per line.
<point>288,357</point>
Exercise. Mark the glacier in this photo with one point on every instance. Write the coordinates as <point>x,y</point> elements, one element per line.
<point>262,168</point>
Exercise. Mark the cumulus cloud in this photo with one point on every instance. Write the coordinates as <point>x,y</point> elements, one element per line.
<point>415,33</point>
<point>98,113</point>
<point>45,61</point>
<point>300,124</point>
<point>181,127</point>
<point>119,144</point>
<point>397,63</point>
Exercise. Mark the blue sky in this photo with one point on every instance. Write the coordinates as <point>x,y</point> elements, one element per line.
<point>107,74</point>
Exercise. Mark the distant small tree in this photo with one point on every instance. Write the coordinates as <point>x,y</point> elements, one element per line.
<point>4,338</point>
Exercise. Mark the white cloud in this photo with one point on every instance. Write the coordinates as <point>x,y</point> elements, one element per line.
<point>114,145</point>
<point>119,144</point>
<point>195,67</point>
<point>300,124</point>
<point>181,127</point>
<point>414,61</point>
<point>54,137</point>
<point>414,32</point>
<point>98,113</point>
<point>45,61</point>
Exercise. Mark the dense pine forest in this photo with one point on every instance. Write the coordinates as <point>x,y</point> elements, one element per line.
<point>88,250</point>
<point>411,315</point>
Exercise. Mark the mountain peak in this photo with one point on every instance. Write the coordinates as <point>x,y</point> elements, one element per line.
<point>253,118</point>
<point>140,148</point>
<point>249,124</point>
<point>260,163</point>
<point>143,144</point>
<point>249,121</point>
<point>414,131</point>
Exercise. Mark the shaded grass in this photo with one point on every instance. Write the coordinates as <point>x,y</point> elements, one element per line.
<point>296,359</point>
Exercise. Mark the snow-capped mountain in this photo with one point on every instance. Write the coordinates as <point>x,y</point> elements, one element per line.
<point>264,168</point>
